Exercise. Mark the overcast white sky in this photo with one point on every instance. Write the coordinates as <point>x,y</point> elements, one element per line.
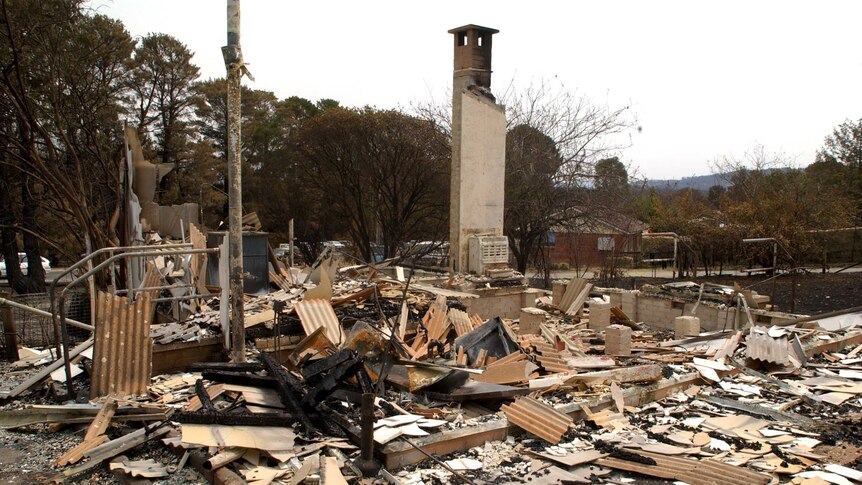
<point>705,79</point>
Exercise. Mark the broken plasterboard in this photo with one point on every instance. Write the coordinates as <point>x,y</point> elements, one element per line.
<point>256,437</point>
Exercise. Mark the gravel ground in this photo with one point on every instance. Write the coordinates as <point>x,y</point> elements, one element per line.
<point>27,456</point>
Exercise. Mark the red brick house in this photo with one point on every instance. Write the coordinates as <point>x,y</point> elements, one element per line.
<point>595,237</point>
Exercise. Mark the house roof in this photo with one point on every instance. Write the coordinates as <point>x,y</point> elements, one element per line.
<point>596,220</point>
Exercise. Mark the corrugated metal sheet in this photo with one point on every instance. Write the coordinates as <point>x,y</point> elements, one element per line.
<point>551,359</point>
<point>576,294</point>
<point>198,261</point>
<point>538,418</point>
<point>573,288</point>
<point>436,321</point>
<point>462,322</point>
<point>761,346</point>
<point>694,472</point>
<point>553,362</point>
<point>122,352</point>
<point>317,312</point>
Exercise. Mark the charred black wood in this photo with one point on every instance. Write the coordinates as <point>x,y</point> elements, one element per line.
<point>241,378</point>
<point>330,380</point>
<point>233,419</point>
<point>436,347</point>
<point>326,424</point>
<point>304,360</point>
<point>344,394</point>
<point>285,384</point>
<point>369,313</point>
<point>364,380</point>
<point>226,366</point>
<point>366,461</point>
<point>313,369</point>
<point>206,403</point>
<point>287,325</point>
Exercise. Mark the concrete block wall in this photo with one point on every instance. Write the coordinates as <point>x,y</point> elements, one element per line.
<point>618,340</point>
<point>559,289</point>
<point>686,326</point>
<point>653,310</point>
<point>600,315</point>
<point>531,320</point>
<point>626,300</point>
<point>616,299</point>
<point>495,305</point>
<point>629,304</point>
<point>660,312</point>
<point>501,302</point>
<point>657,312</point>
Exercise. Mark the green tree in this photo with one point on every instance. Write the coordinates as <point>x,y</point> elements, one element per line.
<point>715,194</point>
<point>61,85</point>
<point>767,198</point>
<point>324,104</point>
<point>259,123</point>
<point>161,100</point>
<point>844,147</point>
<point>569,134</point>
<point>383,174</point>
<point>533,202</point>
<point>612,178</point>
<point>278,187</point>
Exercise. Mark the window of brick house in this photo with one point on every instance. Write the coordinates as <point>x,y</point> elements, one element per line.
<point>606,244</point>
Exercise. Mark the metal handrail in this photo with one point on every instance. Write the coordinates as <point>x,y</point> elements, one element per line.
<point>132,291</point>
<point>61,306</point>
<point>83,261</point>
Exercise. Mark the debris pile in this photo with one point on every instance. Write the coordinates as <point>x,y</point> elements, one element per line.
<point>362,374</point>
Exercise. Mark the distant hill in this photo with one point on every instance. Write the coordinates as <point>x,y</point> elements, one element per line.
<point>698,182</point>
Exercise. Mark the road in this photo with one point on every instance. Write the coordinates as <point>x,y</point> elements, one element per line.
<point>49,277</point>
<point>668,273</point>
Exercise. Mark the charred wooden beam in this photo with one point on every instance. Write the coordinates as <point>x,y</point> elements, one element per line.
<point>232,419</point>
<point>285,384</point>
<point>331,379</point>
<point>322,365</point>
<point>241,378</point>
<point>206,403</point>
<point>364,379</point>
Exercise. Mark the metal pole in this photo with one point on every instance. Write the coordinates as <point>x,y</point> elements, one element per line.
<point>793,293</point>
<point>233,62</point>
<point>9,330</point>
<point>366,462</point>
<point>290,237</point>
<point>674,257</point>
<point>89,247</point>
<point>43,313</point>
<point>774,272</point>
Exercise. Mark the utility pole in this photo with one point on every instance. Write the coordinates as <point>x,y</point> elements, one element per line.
<point>233,62</point>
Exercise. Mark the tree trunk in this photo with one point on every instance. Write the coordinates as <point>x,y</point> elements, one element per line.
<point>7,233</point>
<point>35,271</point>
<point>522,256</point>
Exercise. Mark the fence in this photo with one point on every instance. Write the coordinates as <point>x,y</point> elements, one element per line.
<point>38,331</point>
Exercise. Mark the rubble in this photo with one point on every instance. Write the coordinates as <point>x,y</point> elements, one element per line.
<point>388,373</point>
<point>563,399</point>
